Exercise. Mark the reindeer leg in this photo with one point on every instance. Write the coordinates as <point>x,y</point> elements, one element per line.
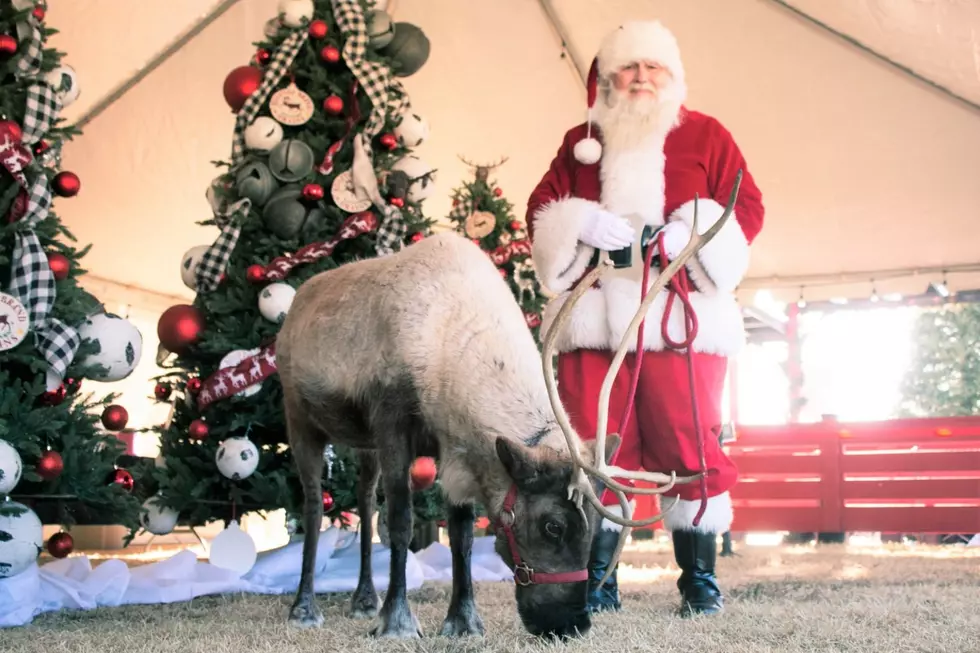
<point>463,618</point>
<point>393,429</point>
<point>307,451</point>
<point>364,603</point>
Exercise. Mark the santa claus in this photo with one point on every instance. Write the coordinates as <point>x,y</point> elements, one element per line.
<point>621,182</point>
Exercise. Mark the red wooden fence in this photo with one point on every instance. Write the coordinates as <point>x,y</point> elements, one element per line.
<point>896,476</point>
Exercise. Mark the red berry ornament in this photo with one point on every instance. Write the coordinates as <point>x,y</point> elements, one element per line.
<point>50,465</point>
<point>123,479</point>
<point>330,54</point>
<point>417,236</point>
<point>262,56</point>
<point>59,264</point>
<point>66,184</point>
<point>515,225</point>
<point>54,397</point>
<point>498,192</point>
<point>389,141</point>
<point>313,192</point>
<point>162,391</point>
<point>114,417</point>
<point>318,29</point>
<point>8,46</point>
<point>333,104</point>
<point>197,430</point>
<point>60,545</point>
<point>255,273</point>
<point>40,147</point>
<point>194,385</point>
<point>397,201</point>
<point>39,13</point>
<point>327,500</point>
<point>423,473</point>
<point>72,384</point>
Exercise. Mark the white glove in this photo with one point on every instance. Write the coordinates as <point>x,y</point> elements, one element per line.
<point>608,231</point>
<point>676,235</point>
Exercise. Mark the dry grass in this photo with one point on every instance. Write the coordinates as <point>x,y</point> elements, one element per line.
<point>790,599</point>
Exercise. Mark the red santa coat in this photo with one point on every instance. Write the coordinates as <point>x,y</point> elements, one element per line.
<point>645,184</point>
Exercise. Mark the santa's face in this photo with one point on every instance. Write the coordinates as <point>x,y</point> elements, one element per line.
<point>641,79</point>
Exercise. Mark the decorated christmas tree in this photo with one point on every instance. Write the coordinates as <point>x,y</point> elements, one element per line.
<point>482,213</point>
<point>321,174</point>
<point>58,454</point>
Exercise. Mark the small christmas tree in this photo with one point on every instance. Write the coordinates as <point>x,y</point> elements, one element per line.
<point>481,212</point>
<point>321,174</point>
<point>57,455</point>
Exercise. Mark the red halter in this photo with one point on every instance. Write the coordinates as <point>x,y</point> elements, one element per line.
<point>524,575</point>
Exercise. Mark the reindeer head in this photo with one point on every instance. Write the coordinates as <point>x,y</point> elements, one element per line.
<point>546,538</point>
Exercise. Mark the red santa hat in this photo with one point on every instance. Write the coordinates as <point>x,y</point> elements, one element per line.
<point>633,41</point>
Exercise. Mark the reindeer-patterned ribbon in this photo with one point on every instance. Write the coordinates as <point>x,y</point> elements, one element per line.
<point>504,253</point>
<point>355,225</point>
<point>230,380</point>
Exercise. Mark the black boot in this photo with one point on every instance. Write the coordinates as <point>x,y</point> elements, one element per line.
<point>695,555</point>
<point>605,597</point>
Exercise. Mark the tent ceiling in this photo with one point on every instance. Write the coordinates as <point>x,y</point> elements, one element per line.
<point>863,167</point>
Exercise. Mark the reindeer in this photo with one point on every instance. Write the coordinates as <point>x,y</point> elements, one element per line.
<point>426,352</point>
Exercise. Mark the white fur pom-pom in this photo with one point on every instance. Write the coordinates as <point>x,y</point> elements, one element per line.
<point>587,151</point>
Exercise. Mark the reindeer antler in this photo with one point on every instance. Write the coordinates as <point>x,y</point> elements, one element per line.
<point>580,485</point>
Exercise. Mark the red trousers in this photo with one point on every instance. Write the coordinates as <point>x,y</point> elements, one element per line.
<point>660,435</point>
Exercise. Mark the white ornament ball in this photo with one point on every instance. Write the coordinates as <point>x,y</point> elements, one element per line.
<point>120,341</point>
<point>275,300</point>
<point>587,151</point>
<point>263,134</point>
<point>416,169</point>
<point>295,13</point>
<point>11,468</point>
<point>21,538</point>
<point>64,81</point>
<point>412,130</point>
<point>188,265</point>
<point>237,458</point>
<point>233,549</point>
<point>156,518</point>
<point>235,357</point>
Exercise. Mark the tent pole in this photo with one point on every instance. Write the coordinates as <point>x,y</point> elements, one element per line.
<point>581,69</point>
<point>154,63</point>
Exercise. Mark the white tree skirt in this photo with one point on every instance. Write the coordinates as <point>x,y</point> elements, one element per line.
<point>72,583</point>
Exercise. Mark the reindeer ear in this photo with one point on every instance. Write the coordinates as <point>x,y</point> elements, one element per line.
<point>516,460</point>
<point>612,444</point>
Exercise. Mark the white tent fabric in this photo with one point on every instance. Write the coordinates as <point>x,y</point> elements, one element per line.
<point>74,584</point>
<point>864,167</point>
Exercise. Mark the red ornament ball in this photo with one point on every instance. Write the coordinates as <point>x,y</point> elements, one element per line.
<point>39,12</point>
<point>389,141</point>
<point>60,545</point>
<point>423,473</point>
<point>313,192</point>
<point>417,236</point>
<point>40,147</point>
<point>59,264</point>
<point>19,207</point>
<point>72,384</point>
<point>8,46</point>
<point>54,397</point>
<point>333,104</point>
<point>262,56</point>
<point>50,465</point>
<point>194,385</point>
<point>318,29</point>
<point>197,430</point>
<point>397,201</point>
<point>11,129</point>
<point>115,417</point>
<point>255,273</point>
<point>162,391</point>
<point>240,84</point>
<point>180,327</point>
<point>515,225</point>
<point>123,479</point>
<point>327,500</point>
<point>330,54</point>
<point>66,184</point>
<point>498,192</point>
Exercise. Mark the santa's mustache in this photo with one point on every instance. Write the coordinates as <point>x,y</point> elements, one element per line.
<point>643,86</point>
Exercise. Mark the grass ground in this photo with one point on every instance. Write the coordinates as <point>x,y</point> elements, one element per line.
<point>789,599</point>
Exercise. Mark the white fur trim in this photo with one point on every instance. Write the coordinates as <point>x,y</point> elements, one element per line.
<point>717,517</point>
<point>559,258</point>
<point>586,327</point>
<point>640,40</point>
<point>722,263</point>
<point>587,151</point>
<point>633,183</point>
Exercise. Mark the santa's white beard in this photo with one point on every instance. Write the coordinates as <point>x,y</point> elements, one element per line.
<point>627,122</point>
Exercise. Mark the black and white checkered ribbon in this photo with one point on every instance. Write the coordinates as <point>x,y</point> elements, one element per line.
<point>462,208</point>
<point>43,104</point>
<point>229,217</point>
<point>32,282</point>
<point>275,71</point>
<point>31,54</point>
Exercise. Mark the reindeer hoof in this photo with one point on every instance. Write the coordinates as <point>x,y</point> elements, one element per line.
<point>398,623</point>
<point>305,615</point>
<point>462,624</point>
<point>364,606</point>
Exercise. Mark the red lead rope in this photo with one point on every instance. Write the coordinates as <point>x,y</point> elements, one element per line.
<point>675,289</point>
